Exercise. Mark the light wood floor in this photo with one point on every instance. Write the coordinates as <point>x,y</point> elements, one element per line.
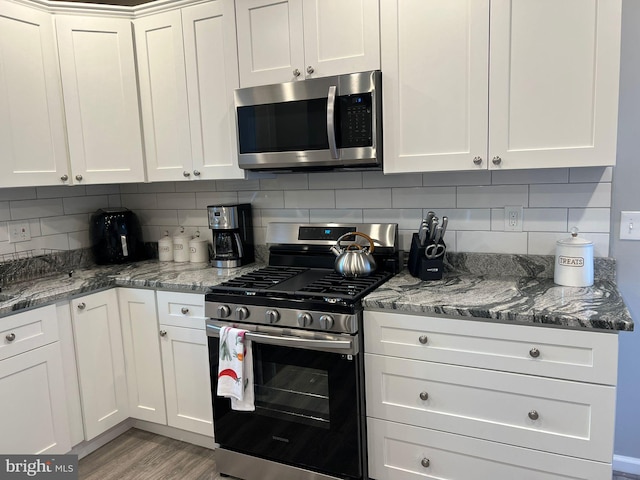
<point>139,455</point>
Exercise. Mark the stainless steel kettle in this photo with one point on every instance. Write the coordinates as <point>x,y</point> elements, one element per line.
<point>354,260</point>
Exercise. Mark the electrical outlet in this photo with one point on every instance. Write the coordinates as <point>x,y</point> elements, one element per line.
<point>19,231</point>
<point>629,225</point>
<point>513,218</point>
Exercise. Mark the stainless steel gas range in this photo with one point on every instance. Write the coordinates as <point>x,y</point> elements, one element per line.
<point>305,323</point>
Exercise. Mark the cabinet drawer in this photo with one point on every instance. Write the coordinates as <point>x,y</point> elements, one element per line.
<point>181,309</point>
<point>397,452</point>
<point>27,330</point>
<point>557,416</point>
<point>533,350</point>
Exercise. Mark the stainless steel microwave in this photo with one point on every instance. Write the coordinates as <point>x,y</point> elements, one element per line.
<point>328,123</point>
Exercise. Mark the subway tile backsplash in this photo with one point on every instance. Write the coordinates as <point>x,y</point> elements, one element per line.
<point>554,200</point>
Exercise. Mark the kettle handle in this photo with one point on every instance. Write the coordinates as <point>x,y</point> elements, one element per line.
<point>360,234</point>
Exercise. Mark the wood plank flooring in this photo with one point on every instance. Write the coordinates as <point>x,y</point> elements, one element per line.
<point>139,455</point>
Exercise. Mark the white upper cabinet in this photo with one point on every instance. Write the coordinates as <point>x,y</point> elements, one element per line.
<point>101,99</point>
<point>499,84</point>
<point>33,147</point>
<point>282,41</point>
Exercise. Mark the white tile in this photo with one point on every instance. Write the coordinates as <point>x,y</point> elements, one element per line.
<point>380,180</point>
<point>492,196</point>
<point>129,187</point>
<point>319,181</point>
<point>23,209</point>
<point>115,201</point>
<point>6,248</point>
<point>158,217</point>
<point>541,243</point>
<point>295,215</point>
<point>465,218</point>
<point>263,198</point>
<point>590,219</point>
<point>139,201</point>
<point>157,187</point>
<point>108,189</point>
<point>236,185</point>
<point>259,235</point>
<point>34,226</point>
<point>404,239</point>
<point>340,215</point>
<point>524,177</point>
<point>292,181</point>
<point>4,234</point>
<point>497,219</point>
<point>5,212</point>
<point>54,242</point>
<point>428,198</point>
<point>24,193</point>
<point>64,224</point>
<point>310,199</point>
<point>204,199</point>
<point>492,242</point>
<point>544,220</point>
<point>570,195</point>
<point>193,218</point>
<point>196,186</point>
<point>152,233</point>
<point>591,174</point>
<point>73,205</point>
<point>406,218</point>
<point>364,198</point>
<point>178,201</point>
<point>59,191</point>
<point>79,240</point>
<point>437,179</point>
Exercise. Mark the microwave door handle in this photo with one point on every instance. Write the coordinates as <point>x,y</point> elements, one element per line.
<point>331,124</point>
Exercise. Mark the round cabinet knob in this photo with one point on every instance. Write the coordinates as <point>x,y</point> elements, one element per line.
<point>423,339</point>
<point>326,322</point>
<point>310,70</point>
<point>296,73</point>
<point>534,352</point>
<point>186,174</point>
<point>78,177</point>
<point>424,396</point>
<point>425,462</point>
<point>533,415</point>
<point>64,177</point>
<point>477,161</point>
<point>242,313</point>
<point>11,337</point>
<point>224,311</point>
<point>196,173</point>
<point>496,160</point>
<point>163,333</point>
<point>184,310</point>
<point>81,306</point>
<point>305,319</point>
<point>272,316</point>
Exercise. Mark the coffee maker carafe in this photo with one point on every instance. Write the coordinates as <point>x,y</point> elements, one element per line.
<point>232,229</point>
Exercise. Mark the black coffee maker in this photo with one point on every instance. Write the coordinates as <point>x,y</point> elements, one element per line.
<point>232,228</point>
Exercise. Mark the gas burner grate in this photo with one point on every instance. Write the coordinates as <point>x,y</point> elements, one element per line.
<point>260,279</point>
<point>335,285</point>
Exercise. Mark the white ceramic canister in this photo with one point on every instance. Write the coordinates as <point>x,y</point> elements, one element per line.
<point>165,248</point>
<point>198,249</point>
<point>574,261</point>
<point>181,246</point>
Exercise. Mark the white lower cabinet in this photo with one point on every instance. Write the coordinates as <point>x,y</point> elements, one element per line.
<point>32,391</point>
<point>450,398</point>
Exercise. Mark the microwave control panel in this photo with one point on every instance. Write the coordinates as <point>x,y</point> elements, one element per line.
<point>356,119</point>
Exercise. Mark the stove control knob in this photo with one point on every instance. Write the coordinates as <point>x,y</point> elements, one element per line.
<point>305,319</point>
<point>326,322</point>
<point>272,316</point>
<point>223,311</point>
<point>242,313</point>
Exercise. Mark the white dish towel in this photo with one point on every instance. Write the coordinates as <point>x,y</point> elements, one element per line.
<point>235,370</point>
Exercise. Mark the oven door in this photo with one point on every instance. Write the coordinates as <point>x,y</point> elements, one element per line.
<point>308,402</point>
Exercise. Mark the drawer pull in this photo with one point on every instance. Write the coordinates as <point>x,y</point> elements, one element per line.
<point>423,339</point>
<point>11,337</point>
<point>534,352</point>
<point>533,415</point>
<point>82,306</point>
<point>425,462</point>
<point>163,333</point>
<point>184,310</point>
<point>424,396</point>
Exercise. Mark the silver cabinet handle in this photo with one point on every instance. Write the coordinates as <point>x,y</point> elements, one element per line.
<point>78,177</point>
<point>425,462</point>
<point>310,70</point>
<point>186,174</point>
<point>477,160</point>
<point>296,73</point>
<point>533,415</point>
<point>496,160</point>
<point>11,337</point>
<point>196,173</point>
<point>64,177</point>
<point>424,396</point>
<point>163,333</point>
<point>184,310</point>
<point>82,306</point>
<point>534,352</point>
<point>423,339</point>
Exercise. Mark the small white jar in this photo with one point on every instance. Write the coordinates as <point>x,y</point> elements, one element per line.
<point>574,261</point>
<point>165,248</point>
<point>181,246</point>
<point>198,249</point>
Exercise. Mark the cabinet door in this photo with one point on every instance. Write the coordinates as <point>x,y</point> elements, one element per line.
<point>32,402</point>
<point>101,99</point>
<point>211,59</point>
<point>33,148</point>
<point>270,41</point>
<point>185,359</point>
<point>100,361</point>
<point>163,96</point>
<point>139,321</point>
<point>341,37</point>
<point>554,96</point>
<point>435,81</point>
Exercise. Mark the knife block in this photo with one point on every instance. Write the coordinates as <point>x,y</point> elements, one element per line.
<point>422,267</point>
